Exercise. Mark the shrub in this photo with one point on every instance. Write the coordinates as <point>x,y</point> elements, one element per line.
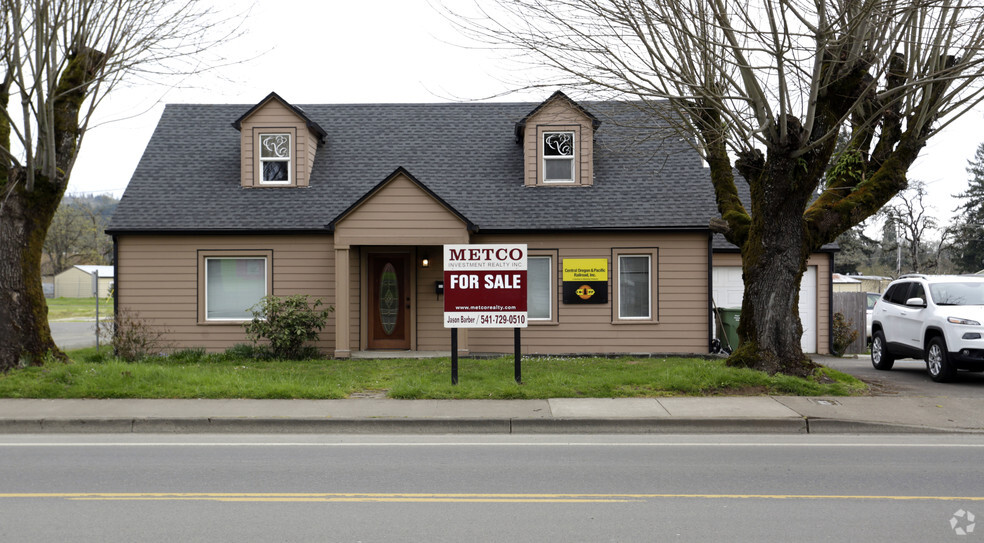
<point>133,338</point>
<point>287,323</point>
<point>844,333</point>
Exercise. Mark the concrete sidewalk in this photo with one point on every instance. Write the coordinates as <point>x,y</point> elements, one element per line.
<point>754,414</point>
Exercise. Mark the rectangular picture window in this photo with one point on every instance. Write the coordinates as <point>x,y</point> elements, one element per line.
<point>538,288</point>
<point>634,287</point>
<point>232,286</point>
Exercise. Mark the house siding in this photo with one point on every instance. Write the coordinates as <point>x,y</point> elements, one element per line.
<point>558,115</point>
<point>400,213</point>
<point>679,304</point>
<point>159,280</point>
<point>431,333</point>
<point>273,116</point>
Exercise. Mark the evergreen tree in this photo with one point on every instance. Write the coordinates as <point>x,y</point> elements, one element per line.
<point>968,242</point>
<point>856,252</point>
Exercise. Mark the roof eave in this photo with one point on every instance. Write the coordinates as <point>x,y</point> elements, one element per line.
<point>313,126</point>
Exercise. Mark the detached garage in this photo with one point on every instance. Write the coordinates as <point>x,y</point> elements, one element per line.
<point>814,297</point>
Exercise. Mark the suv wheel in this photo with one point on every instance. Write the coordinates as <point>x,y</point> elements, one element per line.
<point>881,359</point>
<point>938,361</point>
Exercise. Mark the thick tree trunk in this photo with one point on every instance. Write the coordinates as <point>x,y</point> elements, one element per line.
<point>25,338</point>
<point>26,212</point>
<point>774,258</point>
<point>770,330</point>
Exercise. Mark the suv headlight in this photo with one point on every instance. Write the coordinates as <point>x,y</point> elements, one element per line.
<point>958,320</point>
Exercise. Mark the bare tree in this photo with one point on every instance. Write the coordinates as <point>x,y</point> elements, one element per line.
<point>916,221</point>
<point>910,215</point>
<point>768,83</point>
<point>76,236</point>
<point>58,60</point>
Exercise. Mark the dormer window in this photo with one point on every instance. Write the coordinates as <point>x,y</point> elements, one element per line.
<point>278,143</point>
<point>558,144</point>
<point>558,157</point>
<point>275,154</point>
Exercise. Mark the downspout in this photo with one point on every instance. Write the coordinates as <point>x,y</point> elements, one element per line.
<point>830,306</point>
<point>710,290</point>
<point>116,288</point>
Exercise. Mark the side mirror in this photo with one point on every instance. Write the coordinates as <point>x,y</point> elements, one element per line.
<point>915,302</point>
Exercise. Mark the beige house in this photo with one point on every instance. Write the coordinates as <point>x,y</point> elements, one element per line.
<point>230,203</point>
<point>845,283</point>
<point>76,282</point>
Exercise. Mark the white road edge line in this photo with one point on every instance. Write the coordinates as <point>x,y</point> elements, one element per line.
<point>507,444</point>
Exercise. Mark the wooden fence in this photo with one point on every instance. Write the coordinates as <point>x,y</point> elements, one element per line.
<point>854,306</point>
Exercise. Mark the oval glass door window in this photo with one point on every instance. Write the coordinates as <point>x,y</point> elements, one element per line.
<point>389,299</point>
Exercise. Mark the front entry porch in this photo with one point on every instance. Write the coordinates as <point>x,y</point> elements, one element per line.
<point>393,307</point>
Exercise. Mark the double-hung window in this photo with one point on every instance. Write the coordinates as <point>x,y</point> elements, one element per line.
<point>275,155</point>
<point>558,157</point>
<point>635,287</point>
<point>233,285</point>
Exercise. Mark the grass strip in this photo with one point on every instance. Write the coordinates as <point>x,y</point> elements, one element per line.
<point>195,374</point>
<point>78,308</point>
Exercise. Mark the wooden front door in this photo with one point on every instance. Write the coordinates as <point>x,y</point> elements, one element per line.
<point>389,301</point>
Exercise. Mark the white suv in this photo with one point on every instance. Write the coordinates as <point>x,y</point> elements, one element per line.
<point>934,317</point>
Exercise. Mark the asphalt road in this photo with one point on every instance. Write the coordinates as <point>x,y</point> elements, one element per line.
<point>485,488</point>
<point>908,378</point>
<point>74,334</point>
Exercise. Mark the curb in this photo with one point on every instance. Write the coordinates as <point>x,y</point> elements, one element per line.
<point>842,426</point>
<point>315,425</point>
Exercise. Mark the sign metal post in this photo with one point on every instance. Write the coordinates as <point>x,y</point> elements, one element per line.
<point>454,356</point>
<point>95,292</point>
<point>517,358</point>
<point>485,287</point>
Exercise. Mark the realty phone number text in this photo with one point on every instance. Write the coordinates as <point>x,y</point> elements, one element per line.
<point>480,319</point>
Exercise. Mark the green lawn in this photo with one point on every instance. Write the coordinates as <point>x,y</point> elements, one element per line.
<point>78,308</point>
<point>193,374</point>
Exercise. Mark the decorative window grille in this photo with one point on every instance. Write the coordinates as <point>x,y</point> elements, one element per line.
<point>558,157</point>
<point>275,158</point>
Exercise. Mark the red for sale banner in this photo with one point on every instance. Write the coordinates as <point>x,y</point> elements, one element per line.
<point>485,286</point>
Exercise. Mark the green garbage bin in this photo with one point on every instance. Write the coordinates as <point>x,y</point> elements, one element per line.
<point>730,316</point>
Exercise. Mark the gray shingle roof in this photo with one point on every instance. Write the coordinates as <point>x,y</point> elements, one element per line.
<point>466,154</point>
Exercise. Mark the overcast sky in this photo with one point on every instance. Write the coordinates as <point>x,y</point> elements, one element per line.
<point>373,51</point>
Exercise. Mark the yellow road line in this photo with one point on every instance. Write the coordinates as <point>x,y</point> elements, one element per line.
<point>440,497</point>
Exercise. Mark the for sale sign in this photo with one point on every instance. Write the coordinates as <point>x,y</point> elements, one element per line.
<point>485,286</point>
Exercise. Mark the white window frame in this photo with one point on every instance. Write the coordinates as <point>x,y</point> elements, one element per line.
<point>288,159</point>
<point>571,157</point>
<point>266,283</point>
<point>650,257</point>
<point>551,289</point>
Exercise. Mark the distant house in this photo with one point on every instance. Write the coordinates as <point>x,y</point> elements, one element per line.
<point>846,283</point>
<point>233,202</point>
<point>873,283</point>
<point>76,282</point>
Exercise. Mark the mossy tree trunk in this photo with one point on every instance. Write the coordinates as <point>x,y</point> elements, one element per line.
<point>774,258</point>
<point>26,337</point>
<point>786,223</point>
<point>29,201</point>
